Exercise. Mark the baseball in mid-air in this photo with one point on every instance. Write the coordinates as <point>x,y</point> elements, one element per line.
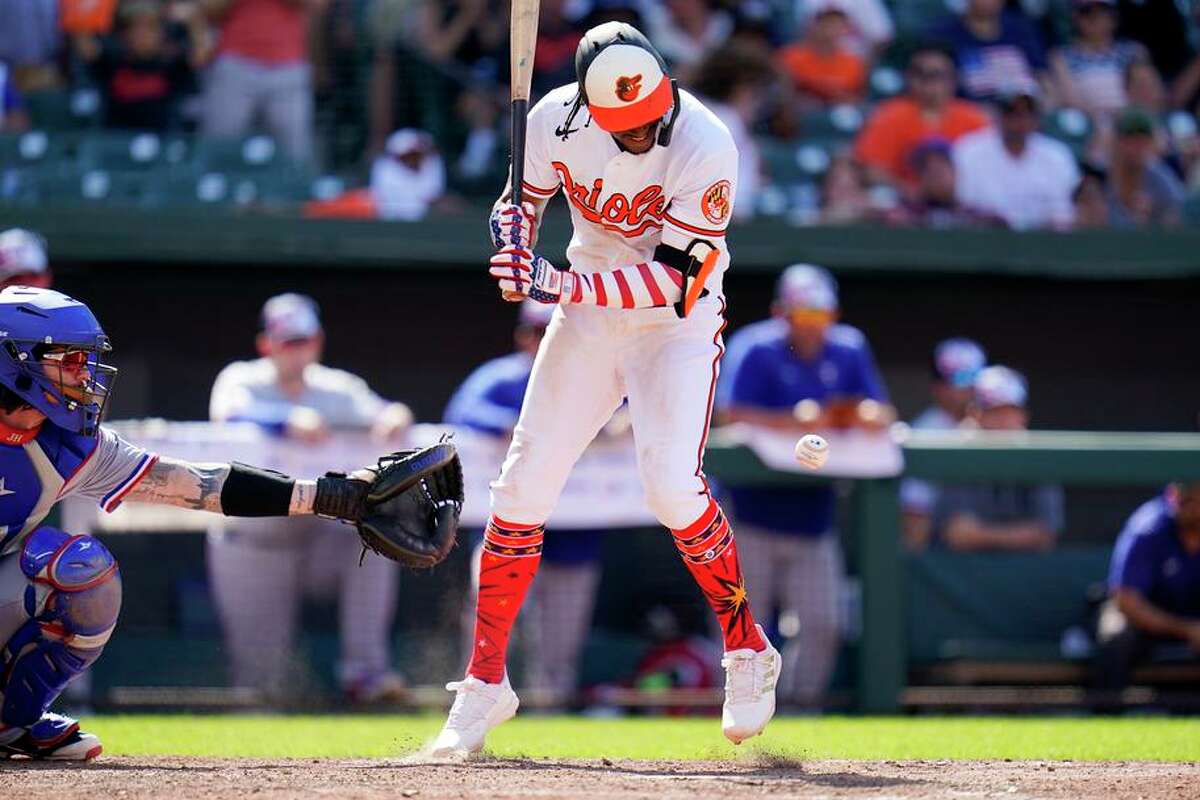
<point>812,450</point>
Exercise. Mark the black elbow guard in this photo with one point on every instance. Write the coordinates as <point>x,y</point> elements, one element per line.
<point>253,492</point>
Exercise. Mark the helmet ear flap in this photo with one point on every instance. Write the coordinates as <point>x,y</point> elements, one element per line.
<point>668,127</point>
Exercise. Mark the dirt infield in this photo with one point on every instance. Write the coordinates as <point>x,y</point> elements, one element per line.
<point>135,778</point>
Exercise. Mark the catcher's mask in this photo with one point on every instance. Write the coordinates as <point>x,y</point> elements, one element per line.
<point>52,352</point>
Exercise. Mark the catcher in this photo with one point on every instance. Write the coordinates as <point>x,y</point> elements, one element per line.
<point>60,594</point>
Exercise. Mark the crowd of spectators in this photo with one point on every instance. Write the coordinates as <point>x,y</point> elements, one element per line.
<point>1076,113</point>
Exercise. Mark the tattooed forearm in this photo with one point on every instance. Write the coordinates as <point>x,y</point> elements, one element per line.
<point>181,483</point>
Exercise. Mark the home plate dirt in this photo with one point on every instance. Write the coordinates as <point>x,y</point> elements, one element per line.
<point>495,779</point>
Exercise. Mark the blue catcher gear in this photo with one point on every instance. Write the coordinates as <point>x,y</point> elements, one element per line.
<point>51,357</point>
<point>73,601</point>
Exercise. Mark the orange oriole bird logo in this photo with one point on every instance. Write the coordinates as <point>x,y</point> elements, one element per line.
<point>629,88</point>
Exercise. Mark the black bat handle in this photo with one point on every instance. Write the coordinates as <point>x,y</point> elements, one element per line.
<point>520,113</point>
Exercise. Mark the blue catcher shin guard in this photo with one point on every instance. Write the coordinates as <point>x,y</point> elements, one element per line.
<point>73,599</point>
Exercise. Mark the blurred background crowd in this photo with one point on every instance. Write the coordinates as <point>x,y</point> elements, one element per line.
<point>1052,114</point>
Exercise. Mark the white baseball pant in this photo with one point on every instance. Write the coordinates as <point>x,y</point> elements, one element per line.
<point>589,360</point>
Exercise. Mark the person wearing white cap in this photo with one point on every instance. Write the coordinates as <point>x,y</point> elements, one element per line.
<point>260,569</point>
<point>23,259</point>
<point>956,363</point>
<point>998,517</point>
<point>798,372</point>
<point>563,596</point>
<point>408,177</point>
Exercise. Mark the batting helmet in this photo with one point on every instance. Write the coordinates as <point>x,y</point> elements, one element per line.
<point>51,357</point>
<point>624,81</point>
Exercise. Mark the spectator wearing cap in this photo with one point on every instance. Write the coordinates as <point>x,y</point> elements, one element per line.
<point>408,177</point>
<point>994,47</point>
<point>927,110</point>
<point>798,372</point>
<point>260,568</point>
<point>563,596</point>
<point>821,66</point>
<point>956,364</point>
<point>933,202</point>
<point>23,259</point>
<point>1014,172</point>
<point>998,517</point>
<point>143,74</point>
<point>262,69</point>
<point>1142,190</point>
<point>1153,607</point>
<point>1089,71</point>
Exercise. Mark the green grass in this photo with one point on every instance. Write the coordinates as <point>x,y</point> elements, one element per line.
<point>1080,739</point>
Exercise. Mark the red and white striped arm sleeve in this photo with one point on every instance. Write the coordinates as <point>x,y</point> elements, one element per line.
<point>647,285</point>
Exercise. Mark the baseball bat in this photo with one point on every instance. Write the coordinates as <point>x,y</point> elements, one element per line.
<point>522,41</point>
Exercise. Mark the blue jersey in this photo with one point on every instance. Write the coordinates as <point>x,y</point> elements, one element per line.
<point>1150,559</point>
<point>762,371</point>
<point>40,467</point>
<point>489,401</point>
<point>490,398</point>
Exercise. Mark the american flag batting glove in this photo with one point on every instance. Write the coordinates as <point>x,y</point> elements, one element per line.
<point>513,226</point>
<point>525,272</point>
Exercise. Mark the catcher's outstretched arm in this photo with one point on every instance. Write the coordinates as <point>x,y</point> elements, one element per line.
<point>185,484</point>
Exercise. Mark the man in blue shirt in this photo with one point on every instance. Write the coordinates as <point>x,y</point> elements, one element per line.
<point>799,371</point>
<point>1154,585</point>
<point>956,363</point>
<point>564,591</point>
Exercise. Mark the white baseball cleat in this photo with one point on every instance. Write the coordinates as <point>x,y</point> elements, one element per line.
<point>750,680</point>
<point>478,708</point>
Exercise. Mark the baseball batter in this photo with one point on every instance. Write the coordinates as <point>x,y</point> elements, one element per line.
<point>649,175</point>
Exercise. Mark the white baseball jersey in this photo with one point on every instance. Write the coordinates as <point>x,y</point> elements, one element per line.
<point>624,204</point>
<point>249,391</point>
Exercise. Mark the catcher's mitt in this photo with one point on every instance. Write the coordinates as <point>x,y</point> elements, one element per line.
<point>405,508</point>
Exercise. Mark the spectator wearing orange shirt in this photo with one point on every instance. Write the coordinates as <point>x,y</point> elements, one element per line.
<point>262,69</point>
<point>927,109</point>
<point>821,65</point>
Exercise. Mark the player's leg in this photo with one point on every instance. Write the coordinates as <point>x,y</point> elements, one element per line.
<point>670,374</point>
<point>70,590</point>
<point>366,610</point>
<point>254,568</point>
<point>564,596</point>
<point>813,589</point>
<point>573,391</point>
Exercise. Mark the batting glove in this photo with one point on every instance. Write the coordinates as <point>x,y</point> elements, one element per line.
<point>513,226</point>
<point>524,272</point>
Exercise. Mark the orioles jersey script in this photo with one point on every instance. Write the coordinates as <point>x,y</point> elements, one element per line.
<point>624,204</point>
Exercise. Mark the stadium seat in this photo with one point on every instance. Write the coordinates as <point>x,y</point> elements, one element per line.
<point>65,110</point>
<point>131,151</point>
<point>832,126</point>
<point>252,154</point>
<point>31,148</point>
<point>1070,126</point>
<point>73,187</point>
<point>884,82</point>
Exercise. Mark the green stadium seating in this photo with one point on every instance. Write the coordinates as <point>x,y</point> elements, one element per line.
<point>1069,125</point>
<point>131,151</point>
<point>251,154</point>
<point>64,110</point>
<point>832,126</point>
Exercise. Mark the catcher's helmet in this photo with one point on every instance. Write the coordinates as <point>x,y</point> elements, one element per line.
<point>39,327</point>
<point>624,81</point>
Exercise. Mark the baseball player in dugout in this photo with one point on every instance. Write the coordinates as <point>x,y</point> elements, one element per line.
<point>564,592</point>
<point>649,175</point>
<point>60,593</point>
<point>798,371</point>
<point>260,569</point>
